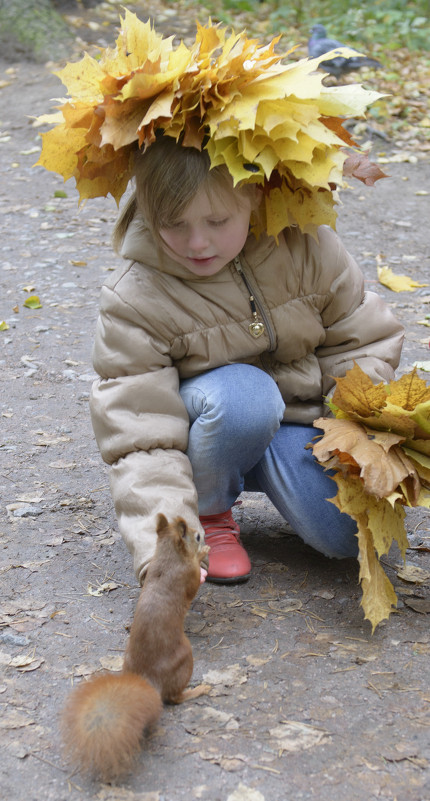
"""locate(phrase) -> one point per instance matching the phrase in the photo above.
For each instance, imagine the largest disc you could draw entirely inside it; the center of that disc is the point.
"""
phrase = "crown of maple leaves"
(271, 124)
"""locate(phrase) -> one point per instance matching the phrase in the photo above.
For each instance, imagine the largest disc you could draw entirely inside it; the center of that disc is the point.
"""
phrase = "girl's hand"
(203, 574)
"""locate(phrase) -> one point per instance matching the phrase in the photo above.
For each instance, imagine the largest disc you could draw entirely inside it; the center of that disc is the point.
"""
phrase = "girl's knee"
(242, 393)
(251, 390)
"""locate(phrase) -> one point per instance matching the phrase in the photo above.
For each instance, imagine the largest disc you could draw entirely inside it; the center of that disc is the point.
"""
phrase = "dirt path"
(305, 704)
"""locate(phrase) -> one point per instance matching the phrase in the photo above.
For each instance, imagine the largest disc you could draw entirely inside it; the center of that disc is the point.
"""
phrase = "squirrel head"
(188, 543)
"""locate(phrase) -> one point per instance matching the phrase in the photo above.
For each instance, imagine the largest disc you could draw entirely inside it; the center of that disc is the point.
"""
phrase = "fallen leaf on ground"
(229, 763)
(60, 464)
(33, 302)
(107, 586)
(257, 661)
(413, 574)
(294, 736)
(201, 721)
(15, 720)
(113, 663)
(244, 793)
(25, 664)
(397, 283)
(421, 605)
(229, 677)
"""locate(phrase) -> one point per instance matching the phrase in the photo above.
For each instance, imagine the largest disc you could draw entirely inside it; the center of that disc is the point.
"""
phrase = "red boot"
(228, 560)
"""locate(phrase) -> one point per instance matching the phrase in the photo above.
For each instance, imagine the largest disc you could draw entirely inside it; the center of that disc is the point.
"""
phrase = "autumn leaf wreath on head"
(272, 124)
(276, 125)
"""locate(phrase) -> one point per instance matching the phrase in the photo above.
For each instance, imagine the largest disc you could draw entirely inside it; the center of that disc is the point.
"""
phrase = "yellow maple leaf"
(379, 597)
(83, 79)
(424, 499)
(408, 391)
(59, 153)
(422, 464)
(377, 523)
(356, 393)
(398, 283)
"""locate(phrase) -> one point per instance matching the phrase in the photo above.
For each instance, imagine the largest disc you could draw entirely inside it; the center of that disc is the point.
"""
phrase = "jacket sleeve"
(141, 427)
(359, 327)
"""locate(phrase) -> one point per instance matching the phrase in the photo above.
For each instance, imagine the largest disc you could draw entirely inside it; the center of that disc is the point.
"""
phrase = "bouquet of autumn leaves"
(378, 444)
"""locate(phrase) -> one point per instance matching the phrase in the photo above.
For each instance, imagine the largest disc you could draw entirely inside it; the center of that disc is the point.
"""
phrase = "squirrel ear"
(181, 526)
(161, 523)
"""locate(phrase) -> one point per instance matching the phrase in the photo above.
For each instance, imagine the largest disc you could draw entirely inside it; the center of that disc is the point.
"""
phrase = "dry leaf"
(107, 586)
(257, 661)
(15, 720)
(230, 676)
(112, 663)
(201, 721)
(374, 456)
(294, 736)
(358, 165)
(245, 793)
(84, 670)
(413, 574)
(229, 763)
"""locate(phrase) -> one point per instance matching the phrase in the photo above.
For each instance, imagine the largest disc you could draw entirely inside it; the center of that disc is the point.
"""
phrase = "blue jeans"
(238, 442)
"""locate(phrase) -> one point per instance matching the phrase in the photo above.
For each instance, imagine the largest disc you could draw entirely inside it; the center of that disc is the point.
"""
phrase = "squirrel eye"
(198, 537)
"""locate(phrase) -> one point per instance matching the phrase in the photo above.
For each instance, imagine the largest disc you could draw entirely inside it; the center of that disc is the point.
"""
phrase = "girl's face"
(210, 232)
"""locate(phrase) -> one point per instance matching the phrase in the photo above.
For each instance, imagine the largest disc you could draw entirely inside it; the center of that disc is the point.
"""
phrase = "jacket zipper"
(261, 311)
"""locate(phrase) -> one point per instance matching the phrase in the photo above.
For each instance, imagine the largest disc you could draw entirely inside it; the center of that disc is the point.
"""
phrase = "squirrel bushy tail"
(104, 720)
(106, 716)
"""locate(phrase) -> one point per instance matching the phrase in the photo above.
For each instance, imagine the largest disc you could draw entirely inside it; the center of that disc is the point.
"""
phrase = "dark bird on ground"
(319, 44)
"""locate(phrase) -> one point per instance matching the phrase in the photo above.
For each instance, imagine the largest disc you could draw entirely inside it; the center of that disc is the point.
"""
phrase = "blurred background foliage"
(396, 32)
(386, 23)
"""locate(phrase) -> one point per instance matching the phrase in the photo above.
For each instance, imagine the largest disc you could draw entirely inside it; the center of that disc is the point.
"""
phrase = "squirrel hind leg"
(104, 720)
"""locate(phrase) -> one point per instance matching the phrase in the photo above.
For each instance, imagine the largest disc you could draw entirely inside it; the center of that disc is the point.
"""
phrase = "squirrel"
(105, 717)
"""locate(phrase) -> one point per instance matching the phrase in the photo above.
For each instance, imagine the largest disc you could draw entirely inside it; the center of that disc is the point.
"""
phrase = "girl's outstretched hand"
(203, 574)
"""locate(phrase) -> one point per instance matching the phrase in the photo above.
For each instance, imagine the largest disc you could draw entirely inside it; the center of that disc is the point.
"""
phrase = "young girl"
(215, 348)
(215, 352)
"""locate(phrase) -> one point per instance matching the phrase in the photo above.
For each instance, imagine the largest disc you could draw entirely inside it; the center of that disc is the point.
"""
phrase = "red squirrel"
(106, 716)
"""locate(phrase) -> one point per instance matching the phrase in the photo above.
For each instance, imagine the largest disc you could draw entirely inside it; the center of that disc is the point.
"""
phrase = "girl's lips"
(202, 261)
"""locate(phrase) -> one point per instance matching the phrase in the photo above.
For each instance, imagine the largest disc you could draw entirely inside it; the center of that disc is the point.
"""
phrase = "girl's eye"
(172, 226)
(217, 223)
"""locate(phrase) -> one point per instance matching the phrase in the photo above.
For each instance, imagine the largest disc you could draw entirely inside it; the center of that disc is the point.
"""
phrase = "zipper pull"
(256, 328)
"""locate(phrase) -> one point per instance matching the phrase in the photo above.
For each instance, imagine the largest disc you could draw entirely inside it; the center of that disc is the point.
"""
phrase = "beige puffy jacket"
(159, 324)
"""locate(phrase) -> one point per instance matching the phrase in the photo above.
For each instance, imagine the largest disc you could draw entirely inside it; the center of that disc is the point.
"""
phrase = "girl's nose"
(197, 240)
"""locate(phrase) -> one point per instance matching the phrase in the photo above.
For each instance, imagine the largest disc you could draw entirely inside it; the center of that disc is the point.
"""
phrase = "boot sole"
(234, 580)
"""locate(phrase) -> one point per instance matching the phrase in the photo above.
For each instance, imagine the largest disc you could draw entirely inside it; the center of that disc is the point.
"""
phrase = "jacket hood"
(139, 245)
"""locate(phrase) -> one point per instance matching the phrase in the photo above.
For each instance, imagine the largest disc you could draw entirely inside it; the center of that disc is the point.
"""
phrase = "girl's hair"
(167, 177)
